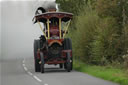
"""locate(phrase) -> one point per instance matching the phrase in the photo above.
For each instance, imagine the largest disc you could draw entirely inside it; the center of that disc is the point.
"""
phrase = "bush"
(106, 45)
(95, 40)
(99, 37)
(86, 25)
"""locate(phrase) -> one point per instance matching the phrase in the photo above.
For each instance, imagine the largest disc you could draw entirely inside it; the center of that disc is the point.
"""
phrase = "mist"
(0, 30)
(17, 29)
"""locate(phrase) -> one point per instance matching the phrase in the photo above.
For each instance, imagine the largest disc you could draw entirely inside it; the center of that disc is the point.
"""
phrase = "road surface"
(21, 72)
(16, 61)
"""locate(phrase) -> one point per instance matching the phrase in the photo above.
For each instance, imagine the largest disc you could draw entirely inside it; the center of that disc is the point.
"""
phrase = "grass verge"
(105, 72)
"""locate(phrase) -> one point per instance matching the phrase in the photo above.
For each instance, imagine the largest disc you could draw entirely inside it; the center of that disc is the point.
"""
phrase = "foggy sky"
(0, 30)
(17, 29)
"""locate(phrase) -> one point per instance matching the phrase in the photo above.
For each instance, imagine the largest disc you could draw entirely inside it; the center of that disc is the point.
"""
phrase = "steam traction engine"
(52, 47)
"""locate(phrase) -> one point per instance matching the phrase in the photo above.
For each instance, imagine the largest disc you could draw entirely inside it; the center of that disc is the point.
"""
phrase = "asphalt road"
(16, 67)
(21, 72)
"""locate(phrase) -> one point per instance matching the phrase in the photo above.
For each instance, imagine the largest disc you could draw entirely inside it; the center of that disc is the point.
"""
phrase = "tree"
(73, 6)
(106, 45)
(111, 8)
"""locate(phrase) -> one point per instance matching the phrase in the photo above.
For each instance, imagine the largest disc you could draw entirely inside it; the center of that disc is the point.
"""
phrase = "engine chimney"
(52, 10)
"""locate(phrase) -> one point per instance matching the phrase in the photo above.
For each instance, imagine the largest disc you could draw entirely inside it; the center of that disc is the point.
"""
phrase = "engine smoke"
(46, 4)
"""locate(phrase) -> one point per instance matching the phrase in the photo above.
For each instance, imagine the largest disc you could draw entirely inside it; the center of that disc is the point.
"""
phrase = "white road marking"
(30, 73)
(45, 84)
(37, 78)
(23, 61)
(25, 69)
(23, 65)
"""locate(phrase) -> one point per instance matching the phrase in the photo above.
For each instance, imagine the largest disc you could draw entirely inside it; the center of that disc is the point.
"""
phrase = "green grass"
(104, 72)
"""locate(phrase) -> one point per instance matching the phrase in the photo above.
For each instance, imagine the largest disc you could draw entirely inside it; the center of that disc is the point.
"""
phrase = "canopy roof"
(56, 15)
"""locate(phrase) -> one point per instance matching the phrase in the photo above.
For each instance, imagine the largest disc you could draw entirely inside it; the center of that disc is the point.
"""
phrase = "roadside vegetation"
(108, 72)
(99, 34)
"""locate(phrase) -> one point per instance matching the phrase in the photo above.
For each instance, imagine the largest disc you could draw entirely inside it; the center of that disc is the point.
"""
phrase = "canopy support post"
(66, 29)
(60, 27)
(42, 29)
(48, 28)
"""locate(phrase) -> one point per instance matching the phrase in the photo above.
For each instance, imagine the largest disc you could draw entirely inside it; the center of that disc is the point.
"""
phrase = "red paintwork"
(55, 62)
(54, 31)
(55, 40)
(49, 15)
(38, 54)
(50, 40)
(64, 53)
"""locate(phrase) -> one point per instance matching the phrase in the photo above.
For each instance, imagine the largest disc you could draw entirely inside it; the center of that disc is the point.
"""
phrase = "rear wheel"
(61, 65)
(37, 65)
(65, 66)
(68, 46)
(42, 62)
(36, 47)
(68, 63)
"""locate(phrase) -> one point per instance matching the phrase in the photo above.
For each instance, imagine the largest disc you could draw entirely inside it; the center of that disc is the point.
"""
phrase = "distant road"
(21, 72)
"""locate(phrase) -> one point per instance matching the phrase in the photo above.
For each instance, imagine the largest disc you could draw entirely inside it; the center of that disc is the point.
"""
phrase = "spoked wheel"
(68, 63)
(42, 62)
(61, 65)
(36, 60)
